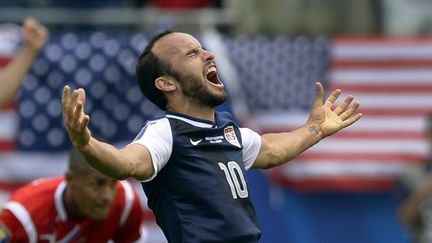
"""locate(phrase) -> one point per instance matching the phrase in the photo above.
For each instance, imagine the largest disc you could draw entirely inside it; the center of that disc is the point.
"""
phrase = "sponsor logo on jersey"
(215, 139)
(4, 234)
(195, 143)
(230, 136)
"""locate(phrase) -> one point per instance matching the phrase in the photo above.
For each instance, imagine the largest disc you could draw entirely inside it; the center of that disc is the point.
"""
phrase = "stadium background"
(343, 190)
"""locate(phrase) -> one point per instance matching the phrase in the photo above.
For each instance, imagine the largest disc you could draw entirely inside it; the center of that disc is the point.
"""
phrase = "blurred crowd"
(311, 17)
(113, 3)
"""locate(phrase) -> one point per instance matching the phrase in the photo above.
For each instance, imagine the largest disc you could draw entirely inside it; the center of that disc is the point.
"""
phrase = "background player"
(82, 206)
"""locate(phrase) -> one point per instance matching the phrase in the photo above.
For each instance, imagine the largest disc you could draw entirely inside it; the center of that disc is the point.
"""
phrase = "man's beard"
(194, 88)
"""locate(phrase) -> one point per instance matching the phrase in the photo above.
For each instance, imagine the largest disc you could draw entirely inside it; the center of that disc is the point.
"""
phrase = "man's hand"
(35, 34)
(74, 117)
(326, 119)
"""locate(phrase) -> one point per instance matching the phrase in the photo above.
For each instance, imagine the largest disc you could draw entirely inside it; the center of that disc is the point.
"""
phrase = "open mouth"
(212, 76)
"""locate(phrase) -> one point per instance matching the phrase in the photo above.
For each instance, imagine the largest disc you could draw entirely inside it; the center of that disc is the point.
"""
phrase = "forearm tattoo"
(314, 129)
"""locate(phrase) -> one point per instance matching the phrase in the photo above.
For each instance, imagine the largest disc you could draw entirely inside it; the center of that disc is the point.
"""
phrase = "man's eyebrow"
(192, 50)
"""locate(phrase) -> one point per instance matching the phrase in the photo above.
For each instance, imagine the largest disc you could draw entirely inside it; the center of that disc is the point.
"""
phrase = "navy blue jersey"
(199, 190)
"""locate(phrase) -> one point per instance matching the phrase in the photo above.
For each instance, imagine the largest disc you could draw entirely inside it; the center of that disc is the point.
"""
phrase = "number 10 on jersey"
(235, 179)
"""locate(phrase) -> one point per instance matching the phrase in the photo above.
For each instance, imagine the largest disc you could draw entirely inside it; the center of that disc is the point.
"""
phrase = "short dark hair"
(150, 67)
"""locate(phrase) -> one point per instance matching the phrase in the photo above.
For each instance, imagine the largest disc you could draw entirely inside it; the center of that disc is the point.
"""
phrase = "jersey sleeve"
(11, 229)
(156, 136)
(251, 146)
(130, 231)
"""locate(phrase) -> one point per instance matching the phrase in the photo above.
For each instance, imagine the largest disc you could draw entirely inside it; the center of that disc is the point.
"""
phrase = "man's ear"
(166, 84)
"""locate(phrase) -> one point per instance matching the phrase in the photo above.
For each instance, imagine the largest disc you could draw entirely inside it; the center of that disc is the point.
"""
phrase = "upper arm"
(153, 144)
(141, 159)
(260, 152)
(266, 157)
(276, 149)
(251, 142)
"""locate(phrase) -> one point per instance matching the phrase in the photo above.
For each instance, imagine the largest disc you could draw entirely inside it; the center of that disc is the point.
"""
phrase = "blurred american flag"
(392, 79)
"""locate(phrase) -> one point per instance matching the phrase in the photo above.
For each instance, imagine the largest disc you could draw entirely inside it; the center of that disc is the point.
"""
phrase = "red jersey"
(36, 213)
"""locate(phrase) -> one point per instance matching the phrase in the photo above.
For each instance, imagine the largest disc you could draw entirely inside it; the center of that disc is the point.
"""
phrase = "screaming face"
(206, 89)
(194, 69)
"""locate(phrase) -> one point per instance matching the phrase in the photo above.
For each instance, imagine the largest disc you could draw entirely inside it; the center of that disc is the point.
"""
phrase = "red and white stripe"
(392, 80)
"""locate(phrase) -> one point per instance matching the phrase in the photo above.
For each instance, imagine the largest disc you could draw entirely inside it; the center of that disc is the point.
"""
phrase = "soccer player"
(82, 206)
(193, 160)
(35, 37)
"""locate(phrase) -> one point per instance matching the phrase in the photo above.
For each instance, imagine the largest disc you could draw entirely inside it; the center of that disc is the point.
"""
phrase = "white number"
(237, 187)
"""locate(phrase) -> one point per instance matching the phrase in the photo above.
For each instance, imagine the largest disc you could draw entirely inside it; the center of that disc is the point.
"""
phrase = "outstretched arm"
(324, 120)
(35, 37)
(131, 161)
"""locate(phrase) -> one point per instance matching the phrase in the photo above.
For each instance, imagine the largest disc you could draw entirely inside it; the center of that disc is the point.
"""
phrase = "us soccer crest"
(230, 136)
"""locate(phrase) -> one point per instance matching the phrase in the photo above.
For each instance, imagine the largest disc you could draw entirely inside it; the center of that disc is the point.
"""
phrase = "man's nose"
(107, 193)
(207, 55)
